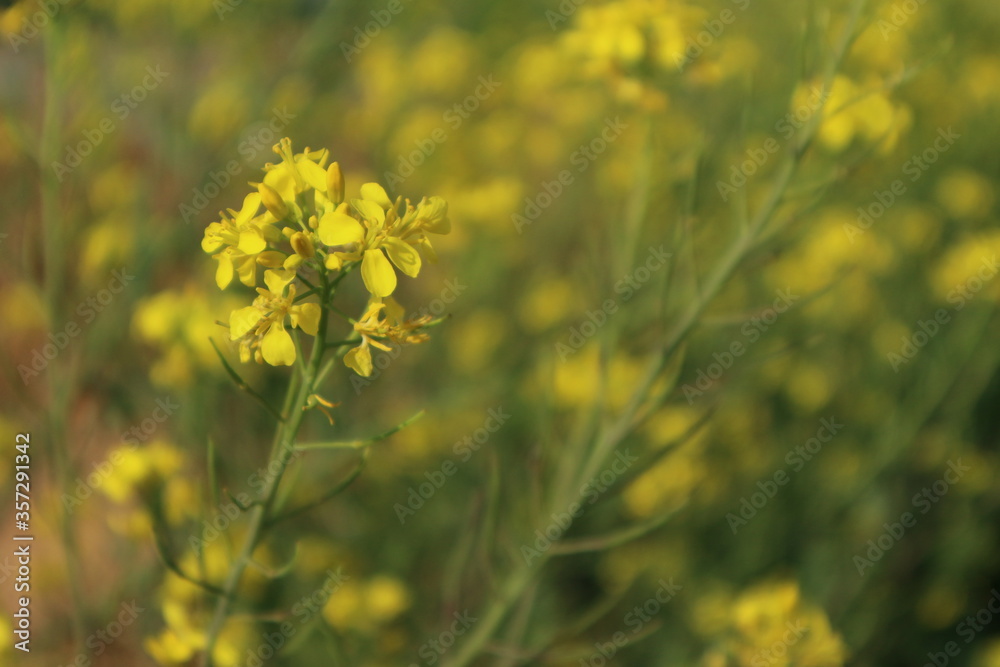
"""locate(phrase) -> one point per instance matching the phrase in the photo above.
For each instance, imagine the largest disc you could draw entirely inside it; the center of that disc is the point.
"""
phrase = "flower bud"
(303, 245)
(335, 183)
(272, 201)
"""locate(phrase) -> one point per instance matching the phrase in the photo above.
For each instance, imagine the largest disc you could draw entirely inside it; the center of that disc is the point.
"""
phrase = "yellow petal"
(377, 273)
(212, 239)
(369, 210)
(433, 212)
(394, 312)
(403, 255)
(336, 228)
(277, 346)
(251, 204)
(425, 244)
(247, 269)
(374, 192)
(276, 279)
(313, 174)
(224, 273)
(359, 360)
(252, 241)
(272, 259)
(306, 317)
(281, 179)
(243, 320)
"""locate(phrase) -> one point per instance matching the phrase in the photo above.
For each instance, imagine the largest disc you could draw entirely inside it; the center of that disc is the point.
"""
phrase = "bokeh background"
(869, 309)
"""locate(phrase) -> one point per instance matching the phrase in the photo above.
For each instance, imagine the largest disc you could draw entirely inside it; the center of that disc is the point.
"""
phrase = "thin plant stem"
(281, 455)
(521, 577)
(60, 375)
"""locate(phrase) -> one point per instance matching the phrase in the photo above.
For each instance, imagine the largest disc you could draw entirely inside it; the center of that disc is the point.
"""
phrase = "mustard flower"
(382, 321)
(383, 237)
(245, 236)
(260, 328)
(298, 225)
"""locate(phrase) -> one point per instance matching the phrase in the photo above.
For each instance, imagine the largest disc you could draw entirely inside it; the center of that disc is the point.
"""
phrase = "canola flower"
(298, 227)
(302, 236)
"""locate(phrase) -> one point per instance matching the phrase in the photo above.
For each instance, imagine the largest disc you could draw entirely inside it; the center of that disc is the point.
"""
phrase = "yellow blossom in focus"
(382, 321)
(260, 328)
(244, 238)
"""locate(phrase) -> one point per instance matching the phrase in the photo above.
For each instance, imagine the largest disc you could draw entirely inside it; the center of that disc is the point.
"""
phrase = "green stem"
(60, 380)
(281, 455)
(518, 581)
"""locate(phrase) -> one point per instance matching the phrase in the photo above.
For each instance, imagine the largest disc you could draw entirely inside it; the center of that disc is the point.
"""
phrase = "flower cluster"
(301, 231)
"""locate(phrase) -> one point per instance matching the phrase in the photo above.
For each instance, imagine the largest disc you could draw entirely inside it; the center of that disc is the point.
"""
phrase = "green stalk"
(60, 375)
(521, 577)
(281, 454)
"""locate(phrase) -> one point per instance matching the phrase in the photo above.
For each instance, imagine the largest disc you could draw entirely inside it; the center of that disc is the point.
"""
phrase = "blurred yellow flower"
(771, 624)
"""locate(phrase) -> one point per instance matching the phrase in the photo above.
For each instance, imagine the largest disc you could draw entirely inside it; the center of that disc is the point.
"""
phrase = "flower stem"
(61, 375)
(281, 455)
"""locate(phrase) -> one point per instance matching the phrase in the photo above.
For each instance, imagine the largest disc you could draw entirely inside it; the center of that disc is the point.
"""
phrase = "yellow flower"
(245, 236)
(373, 327)
(385, 238)
(296, 173)
(325, 234)
(260, 328)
